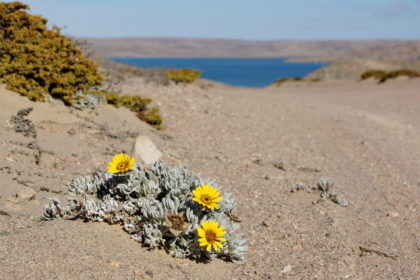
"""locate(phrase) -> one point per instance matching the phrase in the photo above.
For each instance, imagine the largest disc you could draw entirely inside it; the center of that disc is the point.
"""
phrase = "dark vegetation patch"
(22, 125)
(382, 76)
(295, 79)
(41, 63)
(183, 76)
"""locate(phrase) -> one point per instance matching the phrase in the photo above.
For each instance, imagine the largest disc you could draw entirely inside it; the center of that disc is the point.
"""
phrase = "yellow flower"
(207, 196)
(121, 163)
(211, 235)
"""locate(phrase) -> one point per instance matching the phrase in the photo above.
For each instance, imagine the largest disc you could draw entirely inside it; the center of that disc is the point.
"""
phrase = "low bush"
(383, 76)
(153, 117)
(315, 80)
(185, 76)
(374, 73)
(288, 79)
(138, 105)
(39, 62)
(295, 79)
(36, 61)
(399, 73)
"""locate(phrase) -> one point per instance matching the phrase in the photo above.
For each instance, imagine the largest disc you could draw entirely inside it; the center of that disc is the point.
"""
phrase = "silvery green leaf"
(137, 237)
(325, 184)
(125, 189)
(129, 207)
(130, 228)
(152, 236)
(52, 209)
(179, 253)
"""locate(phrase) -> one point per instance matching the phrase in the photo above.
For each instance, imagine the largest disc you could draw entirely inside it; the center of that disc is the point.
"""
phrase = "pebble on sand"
(286, 269)
(25, 193)
(146, 151)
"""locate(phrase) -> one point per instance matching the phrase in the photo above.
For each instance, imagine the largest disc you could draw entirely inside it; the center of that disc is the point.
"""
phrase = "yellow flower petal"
(217, 199)
(121, 163)
(204, 225)
(211, 235)
(207, 196)
(201, 232)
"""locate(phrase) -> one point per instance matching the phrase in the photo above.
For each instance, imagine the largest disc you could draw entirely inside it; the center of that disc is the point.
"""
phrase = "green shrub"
(153, 117)
(315, 80)
(185, 76)
(288, 79)
(399, 73)
(374, 73)
(138, 105)
(295, 79)
(383, 76)
(38, 62)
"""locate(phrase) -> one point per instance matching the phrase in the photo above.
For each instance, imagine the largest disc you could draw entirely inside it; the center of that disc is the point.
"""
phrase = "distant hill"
(179, 47)
(349, 64)
(349, 58)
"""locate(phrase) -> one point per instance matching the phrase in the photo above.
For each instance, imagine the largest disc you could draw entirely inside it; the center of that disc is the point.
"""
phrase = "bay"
(245, 72)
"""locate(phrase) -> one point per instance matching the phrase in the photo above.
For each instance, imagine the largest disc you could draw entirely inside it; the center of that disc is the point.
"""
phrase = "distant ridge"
(187, 47)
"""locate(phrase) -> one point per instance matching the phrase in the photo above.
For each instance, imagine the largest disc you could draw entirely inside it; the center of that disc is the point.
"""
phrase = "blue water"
(247, 72)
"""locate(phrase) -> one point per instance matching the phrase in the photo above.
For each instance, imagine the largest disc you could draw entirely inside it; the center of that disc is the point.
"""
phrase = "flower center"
(206, 198)
(122, 165)
(177, 222)
(211, 236)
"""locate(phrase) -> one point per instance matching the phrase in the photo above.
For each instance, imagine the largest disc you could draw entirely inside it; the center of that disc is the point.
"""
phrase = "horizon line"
(238, 39)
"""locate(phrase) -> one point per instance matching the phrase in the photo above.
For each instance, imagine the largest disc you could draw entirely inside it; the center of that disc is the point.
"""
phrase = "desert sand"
(364, 136)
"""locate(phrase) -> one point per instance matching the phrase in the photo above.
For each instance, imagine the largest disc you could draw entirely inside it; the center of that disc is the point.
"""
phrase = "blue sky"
(239, 19)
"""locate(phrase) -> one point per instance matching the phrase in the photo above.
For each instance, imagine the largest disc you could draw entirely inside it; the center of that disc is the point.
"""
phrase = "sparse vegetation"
(153, 117)
(295, 79)
(374, 73)
(288, 79)
(185, 76)
(383, 76)
(23, 125)
(400, 73)
(39, 63)
(138, 105)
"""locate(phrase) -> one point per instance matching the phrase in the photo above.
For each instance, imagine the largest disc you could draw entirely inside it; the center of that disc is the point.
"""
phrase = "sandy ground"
(364, 136)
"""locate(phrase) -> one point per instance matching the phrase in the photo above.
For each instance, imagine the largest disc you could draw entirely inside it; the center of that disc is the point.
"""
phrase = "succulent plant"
(325, 185)
(156, 207)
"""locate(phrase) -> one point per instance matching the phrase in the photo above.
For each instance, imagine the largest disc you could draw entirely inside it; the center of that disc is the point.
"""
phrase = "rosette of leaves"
(155, 206)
